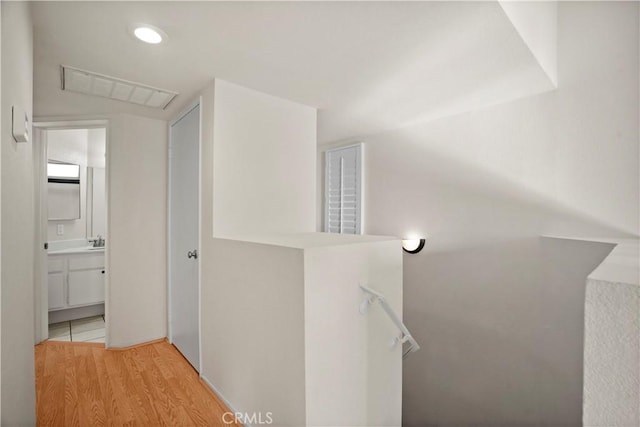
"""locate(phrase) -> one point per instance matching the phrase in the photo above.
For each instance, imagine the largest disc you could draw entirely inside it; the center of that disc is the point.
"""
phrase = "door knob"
(193, 254)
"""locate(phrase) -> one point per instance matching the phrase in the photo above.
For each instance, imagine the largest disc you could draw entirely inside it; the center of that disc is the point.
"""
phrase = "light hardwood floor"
(82, 384)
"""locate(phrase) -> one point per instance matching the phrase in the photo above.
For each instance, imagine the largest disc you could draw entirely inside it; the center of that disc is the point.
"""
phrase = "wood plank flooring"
(82, 384)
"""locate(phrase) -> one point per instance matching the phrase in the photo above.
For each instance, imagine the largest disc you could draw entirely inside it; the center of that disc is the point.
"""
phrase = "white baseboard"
(134, 343)
(220, 395)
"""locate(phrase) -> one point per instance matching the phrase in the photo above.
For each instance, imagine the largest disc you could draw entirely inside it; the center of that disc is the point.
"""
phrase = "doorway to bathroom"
(70, 178)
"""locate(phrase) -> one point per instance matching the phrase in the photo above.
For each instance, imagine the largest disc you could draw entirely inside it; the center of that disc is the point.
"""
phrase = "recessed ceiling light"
(148, 33)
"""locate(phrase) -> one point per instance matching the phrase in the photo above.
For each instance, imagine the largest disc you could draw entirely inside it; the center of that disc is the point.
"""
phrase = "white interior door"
(184, 295)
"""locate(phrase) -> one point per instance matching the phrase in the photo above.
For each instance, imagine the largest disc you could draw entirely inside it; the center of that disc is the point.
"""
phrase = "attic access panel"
(91, 83)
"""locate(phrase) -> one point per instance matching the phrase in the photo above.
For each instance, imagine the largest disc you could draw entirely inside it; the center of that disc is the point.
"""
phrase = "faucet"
(98, 242)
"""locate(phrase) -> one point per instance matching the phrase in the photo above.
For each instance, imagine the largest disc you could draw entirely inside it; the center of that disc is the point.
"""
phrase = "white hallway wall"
(537, 24)
(252, 193)
(264, 154)
(498, 311)
(17, 377)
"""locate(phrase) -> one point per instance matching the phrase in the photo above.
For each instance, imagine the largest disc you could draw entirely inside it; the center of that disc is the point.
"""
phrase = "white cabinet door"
(55, 264)
(86, 287)
(85, 262)
(56, 290)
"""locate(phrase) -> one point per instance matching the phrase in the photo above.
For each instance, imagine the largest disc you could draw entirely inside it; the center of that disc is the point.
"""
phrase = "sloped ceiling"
(367, 66)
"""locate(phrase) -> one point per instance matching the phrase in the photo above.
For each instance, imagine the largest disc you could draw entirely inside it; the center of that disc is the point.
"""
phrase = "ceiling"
(367, 66)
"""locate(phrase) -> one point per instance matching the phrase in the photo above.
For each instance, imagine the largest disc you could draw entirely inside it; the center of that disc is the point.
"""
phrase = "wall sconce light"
(413, 246)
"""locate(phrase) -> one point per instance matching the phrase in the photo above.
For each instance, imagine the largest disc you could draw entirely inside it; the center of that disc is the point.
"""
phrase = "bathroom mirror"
(63, 187)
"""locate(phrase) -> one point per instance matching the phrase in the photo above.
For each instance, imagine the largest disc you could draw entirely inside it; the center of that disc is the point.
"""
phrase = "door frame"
(41, 303)
(188, 108)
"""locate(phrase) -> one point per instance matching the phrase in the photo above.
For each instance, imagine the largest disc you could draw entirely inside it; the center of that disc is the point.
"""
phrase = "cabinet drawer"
(86, 287)
(56, 290)
(81, 262)
(55, 264)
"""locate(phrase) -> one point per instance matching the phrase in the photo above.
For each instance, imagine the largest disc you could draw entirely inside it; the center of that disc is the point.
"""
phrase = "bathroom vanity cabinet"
(75, 279)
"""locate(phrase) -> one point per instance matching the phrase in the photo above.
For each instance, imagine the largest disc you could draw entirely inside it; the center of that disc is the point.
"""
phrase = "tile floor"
(89, 329)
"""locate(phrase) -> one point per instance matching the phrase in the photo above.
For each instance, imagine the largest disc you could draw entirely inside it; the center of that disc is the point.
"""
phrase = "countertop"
(81, 250)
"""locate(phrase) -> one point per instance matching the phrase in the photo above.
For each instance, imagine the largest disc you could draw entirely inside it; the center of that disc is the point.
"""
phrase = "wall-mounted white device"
(20, 127)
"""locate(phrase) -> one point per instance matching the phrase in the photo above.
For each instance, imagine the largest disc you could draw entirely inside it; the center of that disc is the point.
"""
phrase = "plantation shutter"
(343, 187)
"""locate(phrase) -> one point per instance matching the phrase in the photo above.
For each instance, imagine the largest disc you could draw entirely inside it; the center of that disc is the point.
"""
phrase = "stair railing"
(405, 335)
